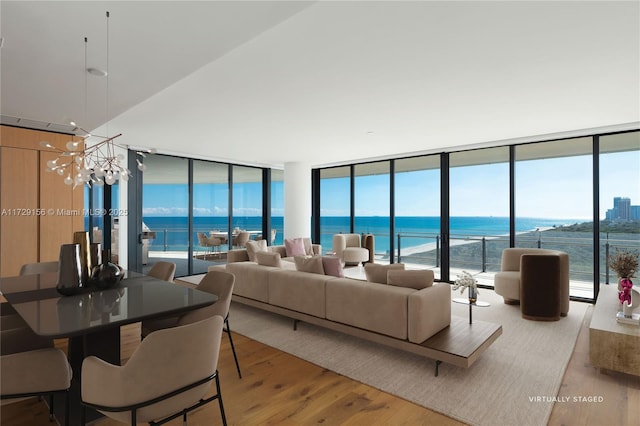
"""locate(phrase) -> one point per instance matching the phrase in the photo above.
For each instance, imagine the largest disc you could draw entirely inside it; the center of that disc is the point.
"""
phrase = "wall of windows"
(335, 204)
(619, 196)
(371, 203)
(277, 207)
(417, 211)
(193, 210)
(479, 209)
(553, 194)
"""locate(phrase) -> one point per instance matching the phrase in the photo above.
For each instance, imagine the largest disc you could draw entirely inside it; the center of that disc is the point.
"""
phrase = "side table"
(465, 301)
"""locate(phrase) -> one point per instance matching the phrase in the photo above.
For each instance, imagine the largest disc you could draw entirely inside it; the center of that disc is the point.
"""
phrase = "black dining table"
(91, 320)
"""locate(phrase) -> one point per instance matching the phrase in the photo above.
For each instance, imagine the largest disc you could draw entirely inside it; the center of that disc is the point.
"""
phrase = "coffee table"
(613, 345)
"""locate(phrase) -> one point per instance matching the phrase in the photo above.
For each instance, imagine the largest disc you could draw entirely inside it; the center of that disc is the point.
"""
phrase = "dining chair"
(221, 284)
(162, 270)
(168, 375)
(241, 238)
(39, 268)
(41, 372)
(215, 282)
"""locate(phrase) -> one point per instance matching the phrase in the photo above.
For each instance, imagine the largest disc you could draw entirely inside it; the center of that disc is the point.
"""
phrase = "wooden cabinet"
(38, 211)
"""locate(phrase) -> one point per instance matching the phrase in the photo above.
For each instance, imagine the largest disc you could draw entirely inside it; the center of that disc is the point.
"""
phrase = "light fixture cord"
(107, 97)
(85, 80)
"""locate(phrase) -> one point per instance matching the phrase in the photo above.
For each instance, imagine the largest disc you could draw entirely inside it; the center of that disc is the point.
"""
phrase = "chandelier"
(100, 162)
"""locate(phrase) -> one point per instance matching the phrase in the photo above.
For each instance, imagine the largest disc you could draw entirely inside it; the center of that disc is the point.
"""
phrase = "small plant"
(624, 263)
(465, 280)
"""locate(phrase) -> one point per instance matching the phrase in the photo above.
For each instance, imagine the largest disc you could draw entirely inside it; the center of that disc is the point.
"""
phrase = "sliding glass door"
(554, 204)
(479, 211)
(417, 212)
(619, 198)
(335, 204)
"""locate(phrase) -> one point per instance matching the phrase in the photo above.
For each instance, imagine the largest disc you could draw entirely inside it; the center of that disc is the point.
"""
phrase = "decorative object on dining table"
(70, 280)
(467, 281)
(107, 274)
(82, 239)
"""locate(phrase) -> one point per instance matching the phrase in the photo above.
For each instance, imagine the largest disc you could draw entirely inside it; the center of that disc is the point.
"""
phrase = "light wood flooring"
(278, 388)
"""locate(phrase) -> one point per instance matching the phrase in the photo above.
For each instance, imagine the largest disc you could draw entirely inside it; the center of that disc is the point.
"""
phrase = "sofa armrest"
(239, 255)
(429, 311)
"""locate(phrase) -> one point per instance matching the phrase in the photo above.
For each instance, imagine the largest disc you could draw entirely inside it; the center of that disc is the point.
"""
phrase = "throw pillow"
(267, 258)
(378, 273)
(332, 265)
(294, 247)
(254, 247)
(308, 248)
(413, 279)
(311, 264)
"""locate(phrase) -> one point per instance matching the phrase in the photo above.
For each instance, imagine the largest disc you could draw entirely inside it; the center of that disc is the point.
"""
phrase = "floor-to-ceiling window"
(277, 207)
(479, 211)
(417, 211)
(619, 190)
(247, 203)
(210, 213)
(165, 211)
(335, 204)
(372, 204)
(554, 204)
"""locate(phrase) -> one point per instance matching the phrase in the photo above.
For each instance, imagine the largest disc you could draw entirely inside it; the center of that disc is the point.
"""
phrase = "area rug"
(515, 382)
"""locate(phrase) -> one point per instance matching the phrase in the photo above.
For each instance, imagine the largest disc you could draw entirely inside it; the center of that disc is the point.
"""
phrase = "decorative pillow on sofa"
(294, 247)
(332, 265)
(308, 247)
(267, 258)
(378, 273)
(254, 247)
(311, 264)
(413, 279)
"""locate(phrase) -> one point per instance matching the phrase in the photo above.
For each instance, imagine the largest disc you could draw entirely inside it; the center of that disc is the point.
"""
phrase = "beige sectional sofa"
(384, 313)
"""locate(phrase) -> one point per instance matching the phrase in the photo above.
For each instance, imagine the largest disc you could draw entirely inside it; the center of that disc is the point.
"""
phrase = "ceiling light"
(97, 72)
(99, 163)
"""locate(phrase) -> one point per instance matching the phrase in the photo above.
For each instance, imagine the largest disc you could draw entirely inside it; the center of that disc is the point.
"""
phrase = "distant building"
(623, 210)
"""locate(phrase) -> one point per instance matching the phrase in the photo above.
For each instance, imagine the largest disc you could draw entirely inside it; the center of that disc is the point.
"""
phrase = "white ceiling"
(323, 82)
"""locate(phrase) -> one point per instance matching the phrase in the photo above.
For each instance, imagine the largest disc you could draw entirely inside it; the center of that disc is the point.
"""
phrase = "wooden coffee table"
(613, 345)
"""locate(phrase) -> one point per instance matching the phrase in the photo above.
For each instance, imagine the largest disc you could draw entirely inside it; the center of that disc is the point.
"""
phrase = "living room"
(332, 88)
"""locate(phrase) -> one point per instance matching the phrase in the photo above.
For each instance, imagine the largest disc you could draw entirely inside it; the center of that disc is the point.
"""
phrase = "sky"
(551, 188)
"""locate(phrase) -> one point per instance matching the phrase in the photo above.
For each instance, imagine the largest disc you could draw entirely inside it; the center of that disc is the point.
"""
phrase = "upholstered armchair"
(348, 247)
(528, 272)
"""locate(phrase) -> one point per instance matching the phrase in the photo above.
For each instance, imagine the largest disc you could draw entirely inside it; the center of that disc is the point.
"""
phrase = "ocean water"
(415, 230)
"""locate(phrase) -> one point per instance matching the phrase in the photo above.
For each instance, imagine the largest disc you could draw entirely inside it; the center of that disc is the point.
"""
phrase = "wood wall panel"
(56, 226)
(18, 204)
(24, 181)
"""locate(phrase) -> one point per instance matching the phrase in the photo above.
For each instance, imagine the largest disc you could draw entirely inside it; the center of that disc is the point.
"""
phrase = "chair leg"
(224, 418)
(67, 404)
(233, 349)
(51, 416)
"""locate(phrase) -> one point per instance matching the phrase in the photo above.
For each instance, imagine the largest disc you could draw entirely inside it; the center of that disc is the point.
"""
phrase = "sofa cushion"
(251, 280)
(417, 279)
(299, 291)
(311, 264)
(375, 307)
(266, 258)
(254, 247)
(332, 265)
(294, 247)
(376, 273)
